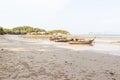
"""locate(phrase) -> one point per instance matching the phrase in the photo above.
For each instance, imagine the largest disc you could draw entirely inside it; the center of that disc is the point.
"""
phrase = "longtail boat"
(82, 41)
(62, 40)
(53, 38)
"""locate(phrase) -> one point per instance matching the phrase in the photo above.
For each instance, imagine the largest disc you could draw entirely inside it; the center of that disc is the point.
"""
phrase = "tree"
(58, 31)
(8, 31)
(22, 29)
(1, 31)
(39, 30)
(27, 29)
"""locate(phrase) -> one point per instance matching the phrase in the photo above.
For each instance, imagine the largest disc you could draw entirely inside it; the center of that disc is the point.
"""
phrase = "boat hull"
(62, 40)
(81, 42)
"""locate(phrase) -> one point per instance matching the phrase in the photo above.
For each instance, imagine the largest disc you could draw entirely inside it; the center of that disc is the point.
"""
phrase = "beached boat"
(82, 41)
(56, 37)
(62, 40)
(59, 39)
(52, 38)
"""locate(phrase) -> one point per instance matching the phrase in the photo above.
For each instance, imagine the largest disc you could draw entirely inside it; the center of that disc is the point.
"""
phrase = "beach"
(30, 59)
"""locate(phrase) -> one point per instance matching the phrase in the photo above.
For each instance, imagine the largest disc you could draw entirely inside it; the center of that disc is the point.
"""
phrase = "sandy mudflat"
(25, 60)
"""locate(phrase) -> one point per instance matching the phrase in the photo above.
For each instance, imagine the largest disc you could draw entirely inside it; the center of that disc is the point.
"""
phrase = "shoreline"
(103, 45)
(28, 60)
(69, 36)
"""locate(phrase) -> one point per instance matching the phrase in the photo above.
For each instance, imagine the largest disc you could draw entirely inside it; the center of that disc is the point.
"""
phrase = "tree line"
(30, 30)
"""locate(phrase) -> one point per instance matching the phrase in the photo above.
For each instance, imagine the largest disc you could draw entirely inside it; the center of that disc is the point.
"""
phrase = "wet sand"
(22, 59)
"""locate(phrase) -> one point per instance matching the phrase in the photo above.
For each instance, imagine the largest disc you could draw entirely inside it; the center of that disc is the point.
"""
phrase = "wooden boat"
(82, 41)
(62, 40)
(52, 39)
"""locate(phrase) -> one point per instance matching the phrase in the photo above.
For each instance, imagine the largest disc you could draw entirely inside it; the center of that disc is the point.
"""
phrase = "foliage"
(22, 30)
(39, 30)
(58, 31)
(30, 30)
(1, 31)
(7, 31)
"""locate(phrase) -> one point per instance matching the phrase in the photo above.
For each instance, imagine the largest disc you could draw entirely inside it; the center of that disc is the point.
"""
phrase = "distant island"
(23, 30)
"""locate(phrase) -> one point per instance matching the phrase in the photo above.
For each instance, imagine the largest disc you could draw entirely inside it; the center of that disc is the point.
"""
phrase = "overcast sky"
(76, 16)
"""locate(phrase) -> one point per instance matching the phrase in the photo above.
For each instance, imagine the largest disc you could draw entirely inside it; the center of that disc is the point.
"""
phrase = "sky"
(76, 16)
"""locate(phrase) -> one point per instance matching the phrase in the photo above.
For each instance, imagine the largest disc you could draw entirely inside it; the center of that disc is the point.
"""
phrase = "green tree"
(22, 29)
(26, 29)
(58, 31)
(8, 31)
(1, 31)
(39, 30)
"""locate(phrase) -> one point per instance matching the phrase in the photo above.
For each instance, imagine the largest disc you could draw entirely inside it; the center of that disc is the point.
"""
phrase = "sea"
(98, 34)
